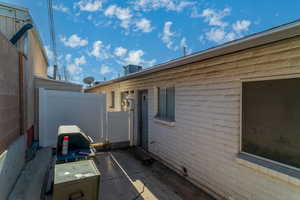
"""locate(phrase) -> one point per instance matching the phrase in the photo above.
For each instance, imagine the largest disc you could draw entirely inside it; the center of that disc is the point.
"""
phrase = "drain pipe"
(20, 33)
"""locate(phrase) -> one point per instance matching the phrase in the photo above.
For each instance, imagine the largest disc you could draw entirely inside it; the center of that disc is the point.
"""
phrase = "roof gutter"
(271, 35)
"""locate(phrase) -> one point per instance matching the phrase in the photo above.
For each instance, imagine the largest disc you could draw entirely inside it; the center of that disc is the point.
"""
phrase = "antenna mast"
(184, 50)
(52, 38)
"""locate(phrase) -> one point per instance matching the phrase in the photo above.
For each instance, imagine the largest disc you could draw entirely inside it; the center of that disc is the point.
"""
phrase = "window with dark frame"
(112, 104)
(271, 120)
(166, 104)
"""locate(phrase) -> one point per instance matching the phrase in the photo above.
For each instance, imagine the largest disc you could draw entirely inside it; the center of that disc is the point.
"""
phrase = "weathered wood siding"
(9, 93)
(11, 21)
(206, 136)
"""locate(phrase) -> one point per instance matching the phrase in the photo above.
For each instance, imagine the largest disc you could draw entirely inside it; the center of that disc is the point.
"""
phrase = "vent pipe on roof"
(184, 50)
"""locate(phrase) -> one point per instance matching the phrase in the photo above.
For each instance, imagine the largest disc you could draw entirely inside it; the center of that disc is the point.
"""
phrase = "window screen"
(271, 120)
(166, 104)
(112, 99)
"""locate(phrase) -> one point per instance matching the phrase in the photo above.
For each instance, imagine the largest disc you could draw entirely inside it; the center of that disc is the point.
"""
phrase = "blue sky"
(98, 37)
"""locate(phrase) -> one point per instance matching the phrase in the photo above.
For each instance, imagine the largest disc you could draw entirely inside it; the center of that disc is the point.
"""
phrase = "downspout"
(21, 93)
(20, 33)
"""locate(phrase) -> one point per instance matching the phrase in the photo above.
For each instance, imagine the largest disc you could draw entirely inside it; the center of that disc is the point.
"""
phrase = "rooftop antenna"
(89, 80)
(52, 38)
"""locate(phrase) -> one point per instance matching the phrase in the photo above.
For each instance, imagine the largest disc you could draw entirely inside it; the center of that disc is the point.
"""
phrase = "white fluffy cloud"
(122, 14)
(104, 69)
(80, 61)
(120, 51)
(213, 17)
(68, 57)
(167, 35)
(135, 57)
(220, 32)
(127, 19)
(61, 8)
(89, 5)
(74, 69)
(110, 11)
(241, 25)
(49, 53)
(219, 35)
(100, 50)
(144, 25)
(121, 55)
(74, 41)
(172, 5)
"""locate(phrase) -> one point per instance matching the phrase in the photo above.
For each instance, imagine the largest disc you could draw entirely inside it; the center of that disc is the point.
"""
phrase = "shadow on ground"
(125, 178)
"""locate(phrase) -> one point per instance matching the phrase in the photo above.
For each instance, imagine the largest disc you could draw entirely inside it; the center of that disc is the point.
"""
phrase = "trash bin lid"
(74, 171)
(77, 139)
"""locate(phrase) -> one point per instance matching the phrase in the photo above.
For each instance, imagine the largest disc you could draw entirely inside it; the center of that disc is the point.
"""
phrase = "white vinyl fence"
(86, 110)
(118, 127)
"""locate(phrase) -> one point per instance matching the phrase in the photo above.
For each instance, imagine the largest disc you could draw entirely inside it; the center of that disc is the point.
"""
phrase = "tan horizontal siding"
(206, 135)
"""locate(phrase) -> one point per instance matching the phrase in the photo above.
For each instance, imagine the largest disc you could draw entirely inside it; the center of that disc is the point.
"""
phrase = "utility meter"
(130, 102)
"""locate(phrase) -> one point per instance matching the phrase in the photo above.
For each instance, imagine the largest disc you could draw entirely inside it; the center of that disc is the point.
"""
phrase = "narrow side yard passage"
(125, 178)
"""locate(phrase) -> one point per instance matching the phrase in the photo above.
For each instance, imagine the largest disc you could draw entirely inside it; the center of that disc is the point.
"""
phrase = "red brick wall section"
(9, 93)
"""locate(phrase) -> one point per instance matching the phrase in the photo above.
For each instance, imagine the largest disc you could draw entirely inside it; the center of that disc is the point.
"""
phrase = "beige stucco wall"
(36, 58)
(206, 136)
(35, 64)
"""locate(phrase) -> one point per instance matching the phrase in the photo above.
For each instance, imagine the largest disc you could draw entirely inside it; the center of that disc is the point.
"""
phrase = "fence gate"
(86, 110)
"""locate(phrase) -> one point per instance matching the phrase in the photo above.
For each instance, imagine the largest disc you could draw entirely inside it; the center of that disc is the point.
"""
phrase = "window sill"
(163, 122)
(283, 173)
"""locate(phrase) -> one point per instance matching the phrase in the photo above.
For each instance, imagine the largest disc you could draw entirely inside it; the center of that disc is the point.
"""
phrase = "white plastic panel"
(86, 110)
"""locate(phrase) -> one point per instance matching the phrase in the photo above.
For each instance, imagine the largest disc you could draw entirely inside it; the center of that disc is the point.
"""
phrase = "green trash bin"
(76, 181)
(79, 145)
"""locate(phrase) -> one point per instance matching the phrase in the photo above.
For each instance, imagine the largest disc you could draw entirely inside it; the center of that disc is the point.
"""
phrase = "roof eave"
(271, 35)
(57, 81)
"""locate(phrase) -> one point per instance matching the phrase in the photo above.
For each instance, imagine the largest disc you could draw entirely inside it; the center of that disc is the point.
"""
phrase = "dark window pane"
(166, 104)
(112, 99)
(163, 112)
(171, 104)
(271, 120)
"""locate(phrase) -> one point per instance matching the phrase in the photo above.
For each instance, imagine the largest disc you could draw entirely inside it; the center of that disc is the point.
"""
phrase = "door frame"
(139, 127)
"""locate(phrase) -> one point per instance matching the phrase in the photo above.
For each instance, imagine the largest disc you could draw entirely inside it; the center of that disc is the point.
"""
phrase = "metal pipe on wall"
(21, 92)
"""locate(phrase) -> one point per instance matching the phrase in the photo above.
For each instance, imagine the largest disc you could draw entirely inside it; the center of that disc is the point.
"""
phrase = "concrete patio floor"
(125, 178)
